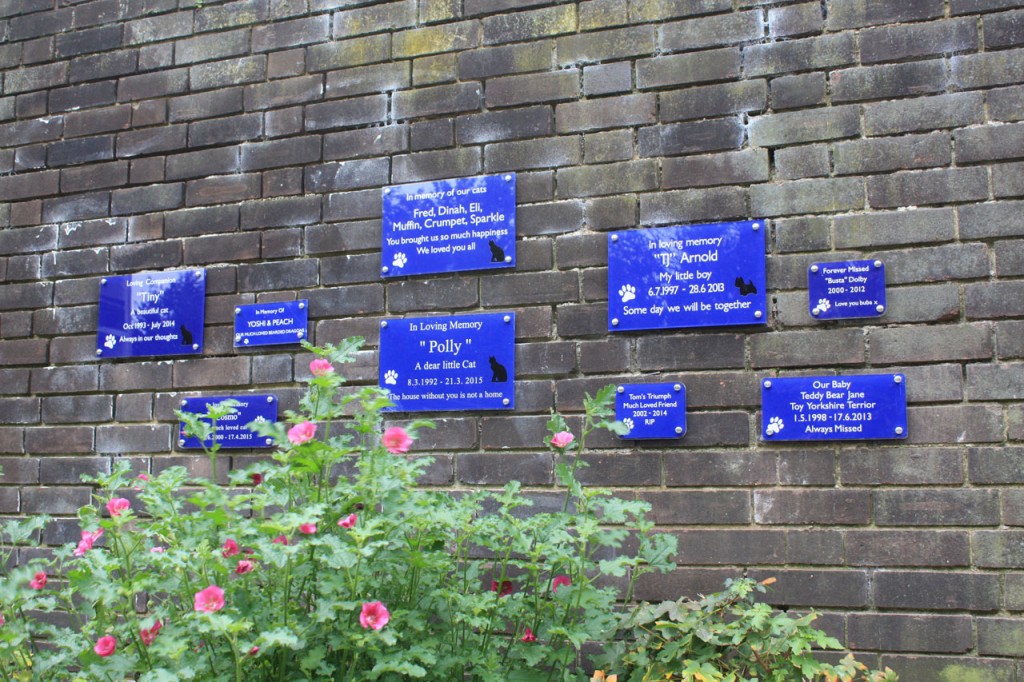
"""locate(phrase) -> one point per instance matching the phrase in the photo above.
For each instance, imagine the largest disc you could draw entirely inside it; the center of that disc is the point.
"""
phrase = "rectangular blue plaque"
(465, 362)
(687, 276)
(844, 289)
(652, 410)
(231, 429)
(449, 225)
(865, 407)
(268, 324)
(151, 313)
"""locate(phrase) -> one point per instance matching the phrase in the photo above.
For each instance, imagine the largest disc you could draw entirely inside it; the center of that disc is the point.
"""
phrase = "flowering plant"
(328, 562)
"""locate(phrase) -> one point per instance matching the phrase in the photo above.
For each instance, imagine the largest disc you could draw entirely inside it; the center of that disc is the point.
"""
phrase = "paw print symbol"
(260, 419)
(110, 341)
(400, 260)
(391, 377)
(627, 292)
(775, 425)
(824, 305)
(629, 423)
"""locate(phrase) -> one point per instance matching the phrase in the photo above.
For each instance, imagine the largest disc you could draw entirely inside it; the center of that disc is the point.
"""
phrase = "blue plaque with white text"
(651, 410)
(232, 431)
(463, 362)
(268, 324)
(845, 289)
(687, 276)
(863, 407)
(151, 313)
(449, 225)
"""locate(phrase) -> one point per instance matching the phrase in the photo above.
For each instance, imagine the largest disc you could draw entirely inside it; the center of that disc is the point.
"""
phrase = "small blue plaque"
(652, 410)
(231, 429)
(465, 362)
(151, 313)
(865, 407)
(853, 288)
(449, 225)
(268, 324)
(687, 276)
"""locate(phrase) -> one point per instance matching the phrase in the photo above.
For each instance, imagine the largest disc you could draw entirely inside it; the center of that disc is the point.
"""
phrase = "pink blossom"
(147, 635)
(562, 439)
(244, 566)
(229, 549)
(528, 636)
(374, 615)
(38, 581)
(348, 521)
(280, 540)
(503, 589)
(105, 645)
(253, 651)
(210, 599)
(560, 580)
(256, 478)
(86, 543)
(307, 528)
(157, 550)
(142, 480)
(300, 433)
(2, 621)
(118, 505)
(396, 440)
(321, 367)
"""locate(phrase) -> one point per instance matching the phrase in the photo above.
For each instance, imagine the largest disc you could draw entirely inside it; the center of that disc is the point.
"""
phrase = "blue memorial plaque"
(231, 429)
(151, 313)
(687, 276)
(449, 225)
(652, 410)
(466, 362)
(871, 406)
(853, 288)
(268, 324)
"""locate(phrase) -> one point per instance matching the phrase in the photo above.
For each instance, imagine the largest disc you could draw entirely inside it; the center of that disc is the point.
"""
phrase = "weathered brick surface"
(253, 138)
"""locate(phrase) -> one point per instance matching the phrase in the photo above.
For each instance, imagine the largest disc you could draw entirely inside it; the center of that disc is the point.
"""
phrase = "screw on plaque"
(237, 310)
(238, 337)
(270, 398)
(270, 441)
(677, 387)
(757, 226)
(103, 281)
(615, 322)
(508, 259)
(99, 351)
(302, 306)
(300, 334)
(898, 379)
(507, 318)
(384, 268)
(816, 312)
(387, 190)
(880, 308)
(679, 429)
(621, 389)
(899, 430)
(184, 403)
(878, 263)
(504, 401)
(767, 383)
(195, 346)
(508, 178)
(615, 237)
(814, 268)
(758, 314)
(181, 443)
(383, 323)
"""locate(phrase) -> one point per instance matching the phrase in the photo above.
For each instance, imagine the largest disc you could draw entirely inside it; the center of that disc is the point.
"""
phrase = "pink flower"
(374, 615)
(528, 636)
(209, 600)
(321, 367)
(2, 621)
(142, 480)
(300, 433)
(562, 439)
(307, 528)
(559, 581)
(157, 550)
(105, 645)
(396, 440)
(256, 478)
(253, 651)
(148, 635)
(118, 505)
(244, 566)
(229, 549)
(88, 538)
(348, 521)
(280, 540)
(503, 589)
(38, 581)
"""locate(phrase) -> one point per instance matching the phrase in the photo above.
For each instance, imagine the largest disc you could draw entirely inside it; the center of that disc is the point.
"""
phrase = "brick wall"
(252, 138)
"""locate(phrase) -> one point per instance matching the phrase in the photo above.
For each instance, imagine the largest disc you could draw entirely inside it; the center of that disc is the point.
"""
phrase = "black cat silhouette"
(746, 288)
(498, 371)
(186, 335)
(497, 254)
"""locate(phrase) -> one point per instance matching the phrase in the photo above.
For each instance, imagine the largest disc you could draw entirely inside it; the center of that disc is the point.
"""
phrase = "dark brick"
(154, 255)
(994, 381)
(986, 69)
(858, 13)
(804, 90)
(807, 161)
(1010, 339)
(720, 468)
(629, 176)
(790, 56)
(432, 294)
(227, 72)
(529, 154)
(607, 79)
(105, 65)
(934, 344)
(988, 143)
(805, 126)
(280, 212)
(913, 507)
(260, 155)
(529, 289)
(608, 45)
(692, 67)
(807, 196)
(918, 466)
(729, 168)
(343, 54)
(147, 199)
(907, 548)
(956, 423)
(691, 206)
(211, 372)
(719, 547)
(16, 187)
(365, 80)
(706, 351)
(83, 96)
(511, 124)
(690, 138)
(895, 43)
(432, 165)
(277, 275)
(77, 409)
(936, 591)
(151, 85)
(999, 636)
(818, 588)
(62, 500)
(529, 25)
(221, 248)
(283, 92)
(796, 20)
(223, 188)
(503, 60)
(346, 113)
(226, 130)
(347, 175)
(205, 105)
(913, 188)
(283, 34)
(896, 632)
(485, 469)
(889, 154)
(936, 264)
(131, 438)
(825, 507)
(383, 17)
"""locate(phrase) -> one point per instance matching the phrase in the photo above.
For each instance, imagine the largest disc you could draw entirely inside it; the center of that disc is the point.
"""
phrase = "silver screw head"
(508, 259)
(387, 190)
(615, 237)
(756, 226)
(878, 263)
(816, 312)
(758, 314)
(507, 318)
(814, 268)
(184, 403)
(677, 388)
(238, 337)
(383, 323)
(300, 334)
(621, 389)
(384, 268)
(615, 322)
(99, 351)
(899, 430)
(103, 281)
(898, 379)
(302, 306)
(504, 401)
(508, 178)
(880, 308)
(195, 346)
(270, 398)
(767, 383)
(270, 441)
(679, 429)
(181, 442)
(237, 310)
